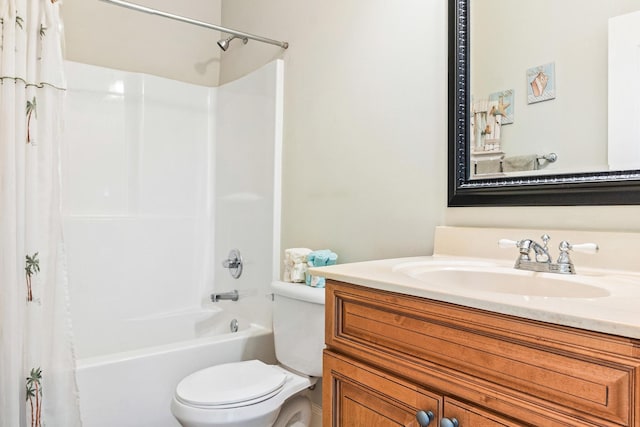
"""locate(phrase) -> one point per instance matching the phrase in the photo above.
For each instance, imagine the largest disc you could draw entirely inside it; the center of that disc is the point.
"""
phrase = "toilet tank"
(298, 326)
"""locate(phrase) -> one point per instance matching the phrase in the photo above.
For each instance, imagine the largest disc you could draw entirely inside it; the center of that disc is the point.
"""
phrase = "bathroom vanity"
(402, 349)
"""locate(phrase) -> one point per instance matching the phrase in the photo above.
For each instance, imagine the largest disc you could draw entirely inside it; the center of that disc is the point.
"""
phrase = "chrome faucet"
(542, 260)
(233, 296)
(541, 251)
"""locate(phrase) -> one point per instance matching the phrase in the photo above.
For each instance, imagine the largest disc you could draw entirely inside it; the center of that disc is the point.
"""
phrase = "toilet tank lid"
(299, 291)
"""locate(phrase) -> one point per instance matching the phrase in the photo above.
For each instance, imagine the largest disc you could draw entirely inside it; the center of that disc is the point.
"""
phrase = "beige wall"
(365, 113)
(365, 119)
(102, 34)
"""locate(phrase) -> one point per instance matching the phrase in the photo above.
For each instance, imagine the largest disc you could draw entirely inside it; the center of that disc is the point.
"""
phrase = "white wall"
(365, 124)
(624, 91)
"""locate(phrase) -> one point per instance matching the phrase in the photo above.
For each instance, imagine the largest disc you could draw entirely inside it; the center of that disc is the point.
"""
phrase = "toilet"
(252, 393)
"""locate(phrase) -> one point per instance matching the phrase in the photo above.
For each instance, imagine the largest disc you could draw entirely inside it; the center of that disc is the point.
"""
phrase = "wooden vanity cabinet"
(390, 355)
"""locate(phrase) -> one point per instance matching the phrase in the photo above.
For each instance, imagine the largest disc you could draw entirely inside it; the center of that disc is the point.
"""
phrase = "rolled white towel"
(298, 272)
(286, 275)
(295, 255)
(295, 264)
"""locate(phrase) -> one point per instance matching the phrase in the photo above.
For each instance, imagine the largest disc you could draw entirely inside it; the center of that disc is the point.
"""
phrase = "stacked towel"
(319, 259)
(295, 264)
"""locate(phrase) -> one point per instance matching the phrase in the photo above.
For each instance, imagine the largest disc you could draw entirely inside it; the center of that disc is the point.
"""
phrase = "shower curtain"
(37, 378)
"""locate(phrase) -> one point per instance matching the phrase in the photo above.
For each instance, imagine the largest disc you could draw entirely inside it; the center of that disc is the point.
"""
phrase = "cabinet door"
(358, 406)
(469, 416)
(359, 396)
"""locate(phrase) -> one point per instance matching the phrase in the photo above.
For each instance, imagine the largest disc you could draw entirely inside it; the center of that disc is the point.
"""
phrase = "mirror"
(542, 106)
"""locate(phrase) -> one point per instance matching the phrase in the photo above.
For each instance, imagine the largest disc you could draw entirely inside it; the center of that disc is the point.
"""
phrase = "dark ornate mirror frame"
(597, 188)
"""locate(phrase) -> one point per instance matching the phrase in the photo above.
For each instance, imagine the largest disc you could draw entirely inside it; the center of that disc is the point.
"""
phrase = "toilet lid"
(231, 385)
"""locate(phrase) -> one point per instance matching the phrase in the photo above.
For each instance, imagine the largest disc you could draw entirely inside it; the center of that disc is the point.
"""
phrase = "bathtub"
(127, 378)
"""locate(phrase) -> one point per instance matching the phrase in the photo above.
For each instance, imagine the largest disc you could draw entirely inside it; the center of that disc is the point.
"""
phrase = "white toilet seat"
(260, 414)
(231, 385)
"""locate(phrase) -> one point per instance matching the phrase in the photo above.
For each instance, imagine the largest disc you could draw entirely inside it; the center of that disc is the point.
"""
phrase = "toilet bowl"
(296, 412)
(252, 393)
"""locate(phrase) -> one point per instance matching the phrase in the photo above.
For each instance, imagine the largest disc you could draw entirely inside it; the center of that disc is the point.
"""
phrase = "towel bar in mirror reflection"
(492, 165)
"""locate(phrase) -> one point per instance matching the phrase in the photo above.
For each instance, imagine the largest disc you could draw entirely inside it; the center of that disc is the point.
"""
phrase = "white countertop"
(618, 312)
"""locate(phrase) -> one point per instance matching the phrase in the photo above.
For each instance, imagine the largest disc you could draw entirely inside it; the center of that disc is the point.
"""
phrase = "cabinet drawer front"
(573, 381)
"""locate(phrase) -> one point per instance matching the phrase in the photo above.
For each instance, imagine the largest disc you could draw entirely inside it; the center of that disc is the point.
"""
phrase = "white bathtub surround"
(162, 179)
(247, 191)
(35, 334)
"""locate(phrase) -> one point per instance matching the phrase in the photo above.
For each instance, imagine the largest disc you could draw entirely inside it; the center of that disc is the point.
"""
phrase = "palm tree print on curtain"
(34, 396)
(31, 111)
(36, 348)
(32, 267)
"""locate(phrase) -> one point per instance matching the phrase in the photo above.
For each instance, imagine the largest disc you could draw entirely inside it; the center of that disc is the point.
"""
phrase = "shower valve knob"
(234, 263)
(230, 263)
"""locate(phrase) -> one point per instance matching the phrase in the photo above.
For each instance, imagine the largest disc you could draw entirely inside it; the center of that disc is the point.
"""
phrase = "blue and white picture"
(503, 104)
(541, 83)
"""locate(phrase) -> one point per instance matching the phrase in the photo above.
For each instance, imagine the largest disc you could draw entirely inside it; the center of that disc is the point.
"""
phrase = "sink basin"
(487, 277)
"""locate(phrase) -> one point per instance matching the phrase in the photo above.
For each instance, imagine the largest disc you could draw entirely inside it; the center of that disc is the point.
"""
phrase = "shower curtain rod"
(239, 34)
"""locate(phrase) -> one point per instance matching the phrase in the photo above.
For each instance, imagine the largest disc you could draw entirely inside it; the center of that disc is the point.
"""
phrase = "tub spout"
(233, 296)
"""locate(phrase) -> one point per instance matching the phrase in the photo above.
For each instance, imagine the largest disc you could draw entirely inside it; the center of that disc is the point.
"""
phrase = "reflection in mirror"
(555, 87)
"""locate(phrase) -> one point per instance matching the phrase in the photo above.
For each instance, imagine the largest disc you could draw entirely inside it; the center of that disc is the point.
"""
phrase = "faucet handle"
(507, 243)
(587, 248)
(565, 247)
